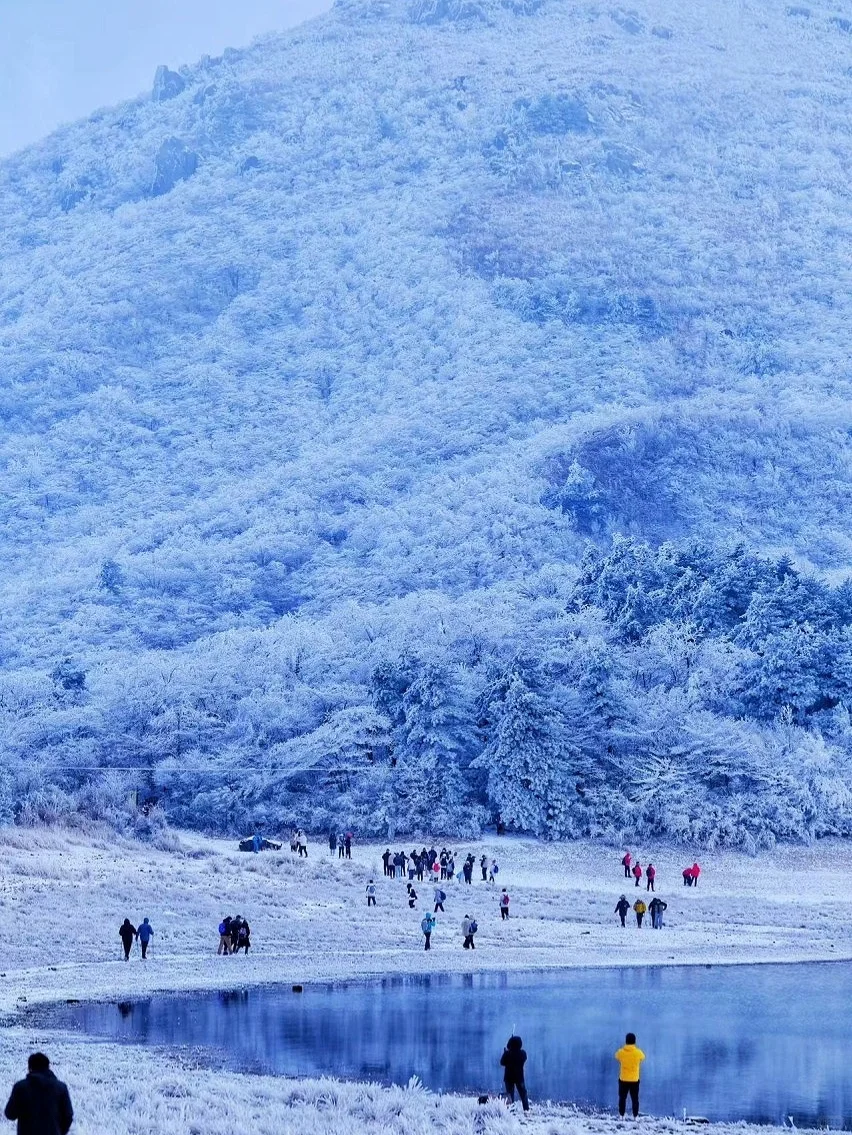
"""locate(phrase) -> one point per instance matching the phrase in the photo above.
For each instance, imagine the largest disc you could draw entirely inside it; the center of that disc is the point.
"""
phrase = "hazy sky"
(62, 59)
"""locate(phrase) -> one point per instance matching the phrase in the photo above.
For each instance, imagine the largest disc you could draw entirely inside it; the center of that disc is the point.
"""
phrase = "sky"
(62, 59)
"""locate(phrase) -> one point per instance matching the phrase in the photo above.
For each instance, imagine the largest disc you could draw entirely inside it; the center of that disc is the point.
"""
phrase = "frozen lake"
(727, 1042)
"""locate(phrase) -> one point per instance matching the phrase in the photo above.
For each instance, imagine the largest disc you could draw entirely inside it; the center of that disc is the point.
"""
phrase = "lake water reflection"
(727, 1042)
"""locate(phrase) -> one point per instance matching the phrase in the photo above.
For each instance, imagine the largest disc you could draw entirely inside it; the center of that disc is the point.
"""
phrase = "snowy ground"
(62, 899)
(63, 896)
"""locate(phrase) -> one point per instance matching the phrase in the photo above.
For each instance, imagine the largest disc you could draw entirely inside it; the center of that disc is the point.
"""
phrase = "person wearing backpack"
(439, 900)
(639, 909)
(637, 872)
(625, 863)
(224, 936)
(427, 925)
(492, 871)
(655, 909)
(621, 909)
(504, 904)
(469, 928)
(371, 893)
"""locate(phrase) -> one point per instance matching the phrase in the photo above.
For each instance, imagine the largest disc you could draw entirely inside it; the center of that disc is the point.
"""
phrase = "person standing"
(504, 904)
(332, 843)
(629, 1059)
(656, 908)
(639, 909)
(436, 871)
(687, 877)
(469, 928)
(696, 871)
(303, 844)
(145, 933)
(650, 875)
(224, 936)
(40, 1103)
(127, 932)
(347, 843)
(371, 893)
(440, 895)
(341, 850)
(625, 863)
(412, 896)
(386, 858)
(637, 872)
(244, 937)
(621, 909)
(483, 866)
(513, 1060)
(427, 925)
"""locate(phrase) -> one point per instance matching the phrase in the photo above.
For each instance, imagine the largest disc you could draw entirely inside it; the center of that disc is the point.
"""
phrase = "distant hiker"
(256, 842)
(513, 1060)
(294, 840)
(341, 848)
(625, 863)
(303, 844)
(371, 893)
(656, 908)
(639, 909)
(386, 859)
(412, 896)
(469, 928)
(436, 871)
(504, 904)
(421, 864)
(347, 843)
(442, 860)
(696, 871)
(243, 937)
(637, 872)
(127, 932)
(224, 936)
(332, 843)
(483, 866)
(467, 869)
(412, 866)
(432, 856)
(145, 933)
(687, 877)
(621, 909)
(650, 875)
(40, 1103)
(629, 1059)
(440, 895)
(451, 868)
(492, 871)
(427, 925)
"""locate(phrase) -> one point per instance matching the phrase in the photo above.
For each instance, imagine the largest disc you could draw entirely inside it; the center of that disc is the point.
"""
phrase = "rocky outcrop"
(167, 84)
(174, 162)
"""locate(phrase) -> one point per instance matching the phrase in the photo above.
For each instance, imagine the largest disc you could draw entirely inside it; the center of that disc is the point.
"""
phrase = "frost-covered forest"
(440, 412)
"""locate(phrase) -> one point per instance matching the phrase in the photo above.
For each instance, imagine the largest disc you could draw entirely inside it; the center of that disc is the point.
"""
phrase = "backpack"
(223, 929)
(426, 925)
(473, 926)
(640, 908)
(441, 896)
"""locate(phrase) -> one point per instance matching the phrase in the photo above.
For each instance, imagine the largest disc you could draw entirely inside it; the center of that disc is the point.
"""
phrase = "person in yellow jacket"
(640, 908)
(629, 1059)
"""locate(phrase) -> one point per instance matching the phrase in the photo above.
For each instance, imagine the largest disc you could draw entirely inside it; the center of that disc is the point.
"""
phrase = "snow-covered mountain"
(324, 361)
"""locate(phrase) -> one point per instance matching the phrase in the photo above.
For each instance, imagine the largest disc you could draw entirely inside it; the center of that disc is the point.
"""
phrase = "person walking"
(40, 1103)
(639, 909)
(629, 1059)
(145, 933)
(492, 871)
(504, 904)
(224, 936)
(127, 932)
(512, 1061)
(625, 863)
(696, 871)
(621, 909)
(427, 925)
(303, 844)
(655, 909)
(440, 895)
(637, 872)
(332, 843)
(483, 866)
(469, 928)
(412, 897)
(371, 893)
(386, 859)
(650, 875)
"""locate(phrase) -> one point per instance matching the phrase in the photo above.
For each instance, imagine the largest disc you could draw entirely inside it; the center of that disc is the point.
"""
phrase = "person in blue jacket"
(145, 933)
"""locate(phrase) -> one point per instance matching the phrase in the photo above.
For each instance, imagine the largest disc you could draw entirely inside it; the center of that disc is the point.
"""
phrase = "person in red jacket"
(696, 871)
(625, 863)
(687, 877)
(637, 872)
(650, 875)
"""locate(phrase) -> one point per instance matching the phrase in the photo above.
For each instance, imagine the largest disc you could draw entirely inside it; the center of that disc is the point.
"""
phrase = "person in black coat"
(127, 933)
(40, 1103)
(513, 1060)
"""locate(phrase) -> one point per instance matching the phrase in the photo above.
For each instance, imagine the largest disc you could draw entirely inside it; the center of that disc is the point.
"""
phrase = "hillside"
(324, 363)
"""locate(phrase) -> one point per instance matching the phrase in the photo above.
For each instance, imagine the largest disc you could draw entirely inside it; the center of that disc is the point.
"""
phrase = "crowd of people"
(633, 870)
(439, 866)
(234, 935)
